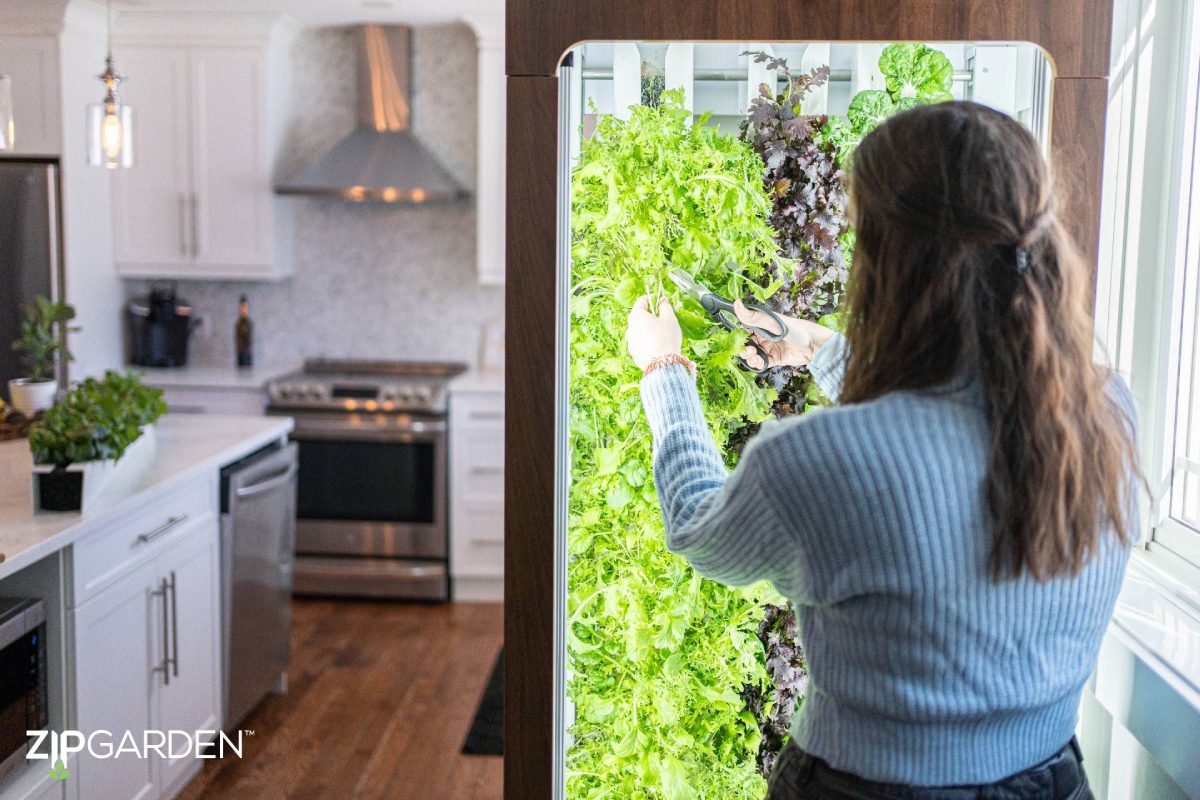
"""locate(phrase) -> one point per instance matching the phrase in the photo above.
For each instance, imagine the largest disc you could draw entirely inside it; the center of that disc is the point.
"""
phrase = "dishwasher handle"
(273, 482)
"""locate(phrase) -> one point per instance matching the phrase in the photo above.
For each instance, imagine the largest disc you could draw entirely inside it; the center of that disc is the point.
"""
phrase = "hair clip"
(1023, 260)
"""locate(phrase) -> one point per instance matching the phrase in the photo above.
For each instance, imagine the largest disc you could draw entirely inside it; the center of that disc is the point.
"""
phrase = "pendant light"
(110, 123)
(7, 129)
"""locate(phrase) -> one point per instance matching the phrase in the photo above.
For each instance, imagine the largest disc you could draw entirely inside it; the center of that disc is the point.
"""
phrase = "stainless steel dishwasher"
(258, 529)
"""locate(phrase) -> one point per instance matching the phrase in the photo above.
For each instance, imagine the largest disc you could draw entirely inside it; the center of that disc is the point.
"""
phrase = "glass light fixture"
(7, 130)
(110, 122)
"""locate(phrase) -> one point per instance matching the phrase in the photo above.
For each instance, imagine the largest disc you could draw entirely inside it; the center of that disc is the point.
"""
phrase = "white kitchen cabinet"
(198, 202)
(32, 63)
(191, 700)
(152, 200)
(118, 641)
(147, 656)
(477, 493)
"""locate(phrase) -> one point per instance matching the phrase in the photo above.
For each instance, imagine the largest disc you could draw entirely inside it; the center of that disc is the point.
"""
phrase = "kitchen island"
(131, 591)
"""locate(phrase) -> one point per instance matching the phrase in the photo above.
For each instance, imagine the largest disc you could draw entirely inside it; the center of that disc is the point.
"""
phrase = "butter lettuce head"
(868, 109)
(916, 71)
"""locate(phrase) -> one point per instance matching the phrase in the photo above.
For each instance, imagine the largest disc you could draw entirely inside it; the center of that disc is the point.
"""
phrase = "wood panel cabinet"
(198, 201)
(1074, 33)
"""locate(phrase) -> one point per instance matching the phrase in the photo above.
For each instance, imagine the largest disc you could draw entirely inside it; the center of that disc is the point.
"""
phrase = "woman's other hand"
(796, 349)
(650, 334)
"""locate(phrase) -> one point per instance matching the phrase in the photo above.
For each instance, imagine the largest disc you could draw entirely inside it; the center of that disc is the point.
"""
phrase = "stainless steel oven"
(371, 496)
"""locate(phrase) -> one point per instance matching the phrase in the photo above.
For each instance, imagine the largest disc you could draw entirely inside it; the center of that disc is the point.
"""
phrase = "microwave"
(22, 679)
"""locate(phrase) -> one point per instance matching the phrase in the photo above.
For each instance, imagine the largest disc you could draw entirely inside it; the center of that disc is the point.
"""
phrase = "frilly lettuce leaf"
(916, 71)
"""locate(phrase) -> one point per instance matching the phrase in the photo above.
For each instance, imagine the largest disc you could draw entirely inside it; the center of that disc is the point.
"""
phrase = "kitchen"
(272, 492)
(332, 362)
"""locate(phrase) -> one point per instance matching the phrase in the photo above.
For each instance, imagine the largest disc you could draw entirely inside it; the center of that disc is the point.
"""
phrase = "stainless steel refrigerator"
(30, 249)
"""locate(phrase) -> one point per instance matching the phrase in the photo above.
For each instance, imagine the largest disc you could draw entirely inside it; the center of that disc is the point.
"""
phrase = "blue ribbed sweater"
(871, 518)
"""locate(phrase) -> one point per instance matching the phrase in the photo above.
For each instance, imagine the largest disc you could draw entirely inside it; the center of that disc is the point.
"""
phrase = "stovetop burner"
(358, 385)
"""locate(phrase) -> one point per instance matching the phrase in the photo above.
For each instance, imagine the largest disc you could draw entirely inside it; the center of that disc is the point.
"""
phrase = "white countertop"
(208, 377)
(186, 445)
(474, 380)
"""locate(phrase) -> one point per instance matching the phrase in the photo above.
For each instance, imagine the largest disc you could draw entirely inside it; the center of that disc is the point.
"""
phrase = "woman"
(954, 533)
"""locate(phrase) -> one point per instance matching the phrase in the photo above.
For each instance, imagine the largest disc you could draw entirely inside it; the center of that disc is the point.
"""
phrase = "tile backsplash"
(371, 280)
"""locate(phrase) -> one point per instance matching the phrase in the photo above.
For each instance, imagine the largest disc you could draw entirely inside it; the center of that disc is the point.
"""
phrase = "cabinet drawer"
(478, 465)
(478, 541)
(477, 410)
(104, 554)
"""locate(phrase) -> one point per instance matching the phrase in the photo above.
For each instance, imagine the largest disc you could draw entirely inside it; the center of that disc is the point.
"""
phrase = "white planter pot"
(30, 397)
(97, 477)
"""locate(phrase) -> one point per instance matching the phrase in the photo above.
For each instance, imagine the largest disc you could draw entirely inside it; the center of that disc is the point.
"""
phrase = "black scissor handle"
(762, 353)
(722, 310)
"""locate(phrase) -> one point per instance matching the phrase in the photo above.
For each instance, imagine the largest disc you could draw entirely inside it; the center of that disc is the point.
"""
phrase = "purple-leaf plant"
(801, 173)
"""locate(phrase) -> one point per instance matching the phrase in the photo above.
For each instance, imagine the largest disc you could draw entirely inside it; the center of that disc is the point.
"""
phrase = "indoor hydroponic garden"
(728, 162)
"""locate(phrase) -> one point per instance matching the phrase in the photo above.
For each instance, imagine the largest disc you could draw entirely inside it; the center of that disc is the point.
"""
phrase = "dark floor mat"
(486, 737)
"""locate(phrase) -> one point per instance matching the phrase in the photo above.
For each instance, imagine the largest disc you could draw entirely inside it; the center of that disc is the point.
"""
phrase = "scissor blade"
(687, 283)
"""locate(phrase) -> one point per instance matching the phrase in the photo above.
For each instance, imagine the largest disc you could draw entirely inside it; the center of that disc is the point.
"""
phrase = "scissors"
(721, 309)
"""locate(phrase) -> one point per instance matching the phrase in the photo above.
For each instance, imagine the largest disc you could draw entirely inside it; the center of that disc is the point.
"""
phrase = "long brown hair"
(963, 268)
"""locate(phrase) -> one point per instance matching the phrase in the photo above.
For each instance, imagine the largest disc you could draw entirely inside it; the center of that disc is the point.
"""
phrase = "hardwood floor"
(380, 698)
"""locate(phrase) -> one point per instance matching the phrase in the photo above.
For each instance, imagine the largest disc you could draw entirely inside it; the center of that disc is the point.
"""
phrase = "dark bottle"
(243, 334)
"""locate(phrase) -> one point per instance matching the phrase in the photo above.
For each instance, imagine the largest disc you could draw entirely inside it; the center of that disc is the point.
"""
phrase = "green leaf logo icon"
(59, 771)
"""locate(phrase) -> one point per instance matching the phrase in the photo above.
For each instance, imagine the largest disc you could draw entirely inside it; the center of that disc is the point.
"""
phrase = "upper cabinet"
(209, 113)
(32, 62)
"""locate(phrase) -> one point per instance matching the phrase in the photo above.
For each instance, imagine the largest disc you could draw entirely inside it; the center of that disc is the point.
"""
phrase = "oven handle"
(420, 431)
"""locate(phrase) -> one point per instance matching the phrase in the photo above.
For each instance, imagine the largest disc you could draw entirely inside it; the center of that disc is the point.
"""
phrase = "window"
(1147, 315)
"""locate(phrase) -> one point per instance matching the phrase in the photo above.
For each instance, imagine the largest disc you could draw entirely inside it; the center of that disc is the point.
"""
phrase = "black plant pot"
(59, 491)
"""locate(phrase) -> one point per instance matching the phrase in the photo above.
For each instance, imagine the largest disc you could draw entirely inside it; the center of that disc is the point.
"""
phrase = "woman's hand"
(796, 349)
(651, 334)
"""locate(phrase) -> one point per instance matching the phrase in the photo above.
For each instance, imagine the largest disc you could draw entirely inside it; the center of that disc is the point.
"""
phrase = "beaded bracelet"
(670, 358)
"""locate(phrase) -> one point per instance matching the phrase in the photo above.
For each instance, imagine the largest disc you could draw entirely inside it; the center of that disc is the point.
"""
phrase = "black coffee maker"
(159, 327)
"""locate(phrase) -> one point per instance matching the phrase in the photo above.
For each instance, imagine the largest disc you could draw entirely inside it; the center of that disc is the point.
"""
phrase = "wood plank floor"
(380, 698)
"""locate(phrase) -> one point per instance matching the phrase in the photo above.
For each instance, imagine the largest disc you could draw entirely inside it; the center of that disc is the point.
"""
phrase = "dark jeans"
(799, 776)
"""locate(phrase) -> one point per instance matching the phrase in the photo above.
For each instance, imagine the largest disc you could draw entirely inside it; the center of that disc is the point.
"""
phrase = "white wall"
(92, 283)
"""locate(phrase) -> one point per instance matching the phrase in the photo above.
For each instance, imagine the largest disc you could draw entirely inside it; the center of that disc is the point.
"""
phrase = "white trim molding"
(490, 177)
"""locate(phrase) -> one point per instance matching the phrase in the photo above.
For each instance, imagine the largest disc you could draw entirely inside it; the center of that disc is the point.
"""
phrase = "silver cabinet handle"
(161, 529)
(174, 630)
(482, 415)
(166, 633)
(195, 224)
(275, 481)
(183, 216)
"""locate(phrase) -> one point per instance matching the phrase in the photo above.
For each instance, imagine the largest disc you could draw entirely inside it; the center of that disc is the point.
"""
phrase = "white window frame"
(1150, 247)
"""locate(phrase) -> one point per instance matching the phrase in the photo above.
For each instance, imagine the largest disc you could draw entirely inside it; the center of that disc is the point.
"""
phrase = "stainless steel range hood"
(381, 160)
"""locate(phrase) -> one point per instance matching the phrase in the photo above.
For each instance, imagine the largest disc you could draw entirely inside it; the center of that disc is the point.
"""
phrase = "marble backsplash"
(371, 280)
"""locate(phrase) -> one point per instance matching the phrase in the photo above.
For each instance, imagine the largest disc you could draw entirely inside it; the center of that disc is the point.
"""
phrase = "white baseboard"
(477, 589)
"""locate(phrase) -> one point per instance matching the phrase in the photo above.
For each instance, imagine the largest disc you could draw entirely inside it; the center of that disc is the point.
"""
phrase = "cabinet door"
(232, 182)
(118, 642)
(151, 201)
(190, 699)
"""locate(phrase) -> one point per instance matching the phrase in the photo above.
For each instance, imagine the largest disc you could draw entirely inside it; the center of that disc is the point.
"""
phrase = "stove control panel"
(350, 395)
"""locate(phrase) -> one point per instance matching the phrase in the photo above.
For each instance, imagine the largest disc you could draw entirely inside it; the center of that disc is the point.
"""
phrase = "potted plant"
(43, 341)
(98, 426)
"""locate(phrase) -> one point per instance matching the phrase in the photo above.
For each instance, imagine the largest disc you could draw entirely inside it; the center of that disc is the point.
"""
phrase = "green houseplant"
(44, 326)
(81, 439)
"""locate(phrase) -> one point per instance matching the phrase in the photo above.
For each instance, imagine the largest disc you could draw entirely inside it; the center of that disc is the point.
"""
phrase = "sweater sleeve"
(828, 366)
(723, 523)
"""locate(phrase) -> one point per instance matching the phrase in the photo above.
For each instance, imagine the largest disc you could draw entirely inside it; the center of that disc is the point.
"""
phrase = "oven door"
(371, 485)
